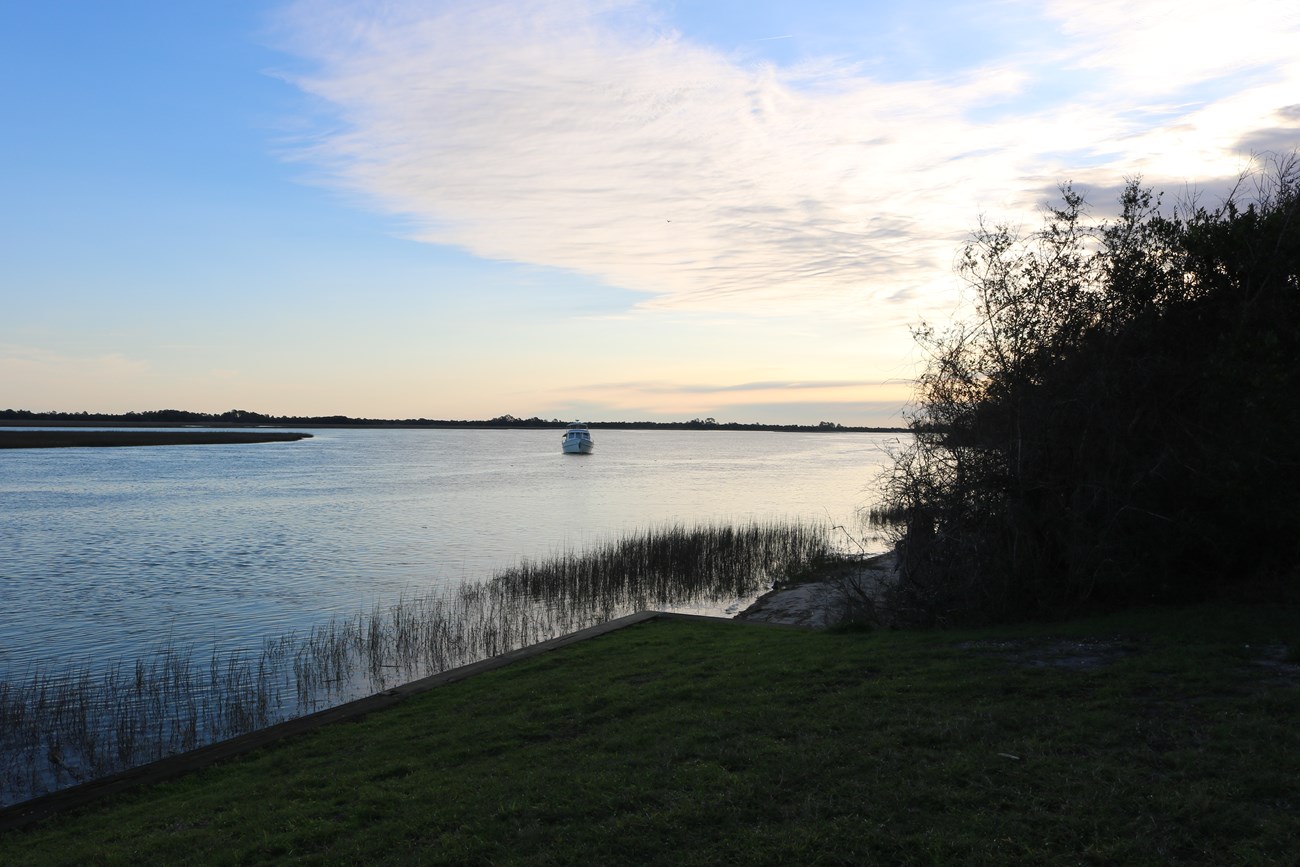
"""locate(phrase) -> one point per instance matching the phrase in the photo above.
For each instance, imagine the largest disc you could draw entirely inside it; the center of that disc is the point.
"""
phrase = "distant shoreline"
(381, 424)
(53, 439)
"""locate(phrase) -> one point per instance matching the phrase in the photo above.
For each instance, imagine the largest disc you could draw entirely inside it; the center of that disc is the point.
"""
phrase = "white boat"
(577, 440)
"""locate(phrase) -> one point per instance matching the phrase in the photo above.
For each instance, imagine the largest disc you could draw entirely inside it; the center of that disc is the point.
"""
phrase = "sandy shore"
(52, 439)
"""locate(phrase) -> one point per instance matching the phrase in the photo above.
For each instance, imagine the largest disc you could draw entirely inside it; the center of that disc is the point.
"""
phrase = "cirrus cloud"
(594, 137)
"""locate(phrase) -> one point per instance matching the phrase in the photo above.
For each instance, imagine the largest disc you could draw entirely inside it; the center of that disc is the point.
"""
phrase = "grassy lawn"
(1154, 737)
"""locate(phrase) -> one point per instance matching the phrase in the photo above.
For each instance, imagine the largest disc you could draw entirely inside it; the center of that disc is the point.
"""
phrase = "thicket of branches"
(1117, 423)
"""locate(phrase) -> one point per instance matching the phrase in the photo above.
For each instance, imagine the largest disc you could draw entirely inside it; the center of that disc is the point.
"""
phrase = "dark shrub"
(1115, 424)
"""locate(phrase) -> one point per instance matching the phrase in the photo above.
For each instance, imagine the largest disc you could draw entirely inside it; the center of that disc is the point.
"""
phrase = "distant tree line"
(1116, 423)
(246, 417)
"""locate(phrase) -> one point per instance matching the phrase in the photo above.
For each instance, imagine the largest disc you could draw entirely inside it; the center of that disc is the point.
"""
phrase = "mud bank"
(53, 439)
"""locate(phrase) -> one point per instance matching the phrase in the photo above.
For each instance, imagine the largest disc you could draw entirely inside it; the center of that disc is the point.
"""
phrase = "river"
(106, 553)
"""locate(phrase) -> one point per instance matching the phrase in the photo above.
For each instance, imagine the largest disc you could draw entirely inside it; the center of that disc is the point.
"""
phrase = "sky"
(601, 209)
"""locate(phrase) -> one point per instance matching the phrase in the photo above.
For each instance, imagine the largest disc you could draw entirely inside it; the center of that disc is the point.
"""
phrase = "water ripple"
(105, 552)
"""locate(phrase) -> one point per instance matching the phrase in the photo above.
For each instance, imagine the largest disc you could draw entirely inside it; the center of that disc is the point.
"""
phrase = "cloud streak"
(773, 385)
(591, 136)
(864, 401)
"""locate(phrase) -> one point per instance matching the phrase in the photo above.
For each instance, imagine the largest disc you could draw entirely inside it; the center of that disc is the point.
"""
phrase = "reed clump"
(60, 728)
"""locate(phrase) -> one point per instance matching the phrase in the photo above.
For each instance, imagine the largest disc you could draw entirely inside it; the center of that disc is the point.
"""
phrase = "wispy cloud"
(591, 136)
(865, 401)
(774, 385)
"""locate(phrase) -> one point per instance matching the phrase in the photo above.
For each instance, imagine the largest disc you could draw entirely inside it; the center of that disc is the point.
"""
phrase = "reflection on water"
(106, 553)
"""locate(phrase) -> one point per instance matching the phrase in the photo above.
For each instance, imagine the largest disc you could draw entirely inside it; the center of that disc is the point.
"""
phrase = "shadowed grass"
(705, 743)
(61, 728)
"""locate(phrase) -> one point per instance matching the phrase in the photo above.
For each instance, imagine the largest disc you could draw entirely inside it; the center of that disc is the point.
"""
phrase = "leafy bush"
(1114, 425)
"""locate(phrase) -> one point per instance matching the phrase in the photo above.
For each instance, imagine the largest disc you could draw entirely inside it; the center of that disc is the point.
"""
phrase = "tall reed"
(59, 728)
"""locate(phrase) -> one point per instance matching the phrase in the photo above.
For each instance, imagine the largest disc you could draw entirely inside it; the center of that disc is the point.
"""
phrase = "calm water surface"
(105, 553)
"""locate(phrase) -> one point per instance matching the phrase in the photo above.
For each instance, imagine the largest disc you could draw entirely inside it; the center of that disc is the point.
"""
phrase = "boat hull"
(578, 447)
(577, 440)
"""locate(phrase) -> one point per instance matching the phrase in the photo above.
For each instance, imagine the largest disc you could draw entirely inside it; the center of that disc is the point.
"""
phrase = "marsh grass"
(59, 728)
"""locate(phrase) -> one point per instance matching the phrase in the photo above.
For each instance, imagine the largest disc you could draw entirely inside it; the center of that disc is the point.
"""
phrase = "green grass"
(698, 743)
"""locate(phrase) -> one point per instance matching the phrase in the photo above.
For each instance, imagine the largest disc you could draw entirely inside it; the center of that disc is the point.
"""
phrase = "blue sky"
(607, 210)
